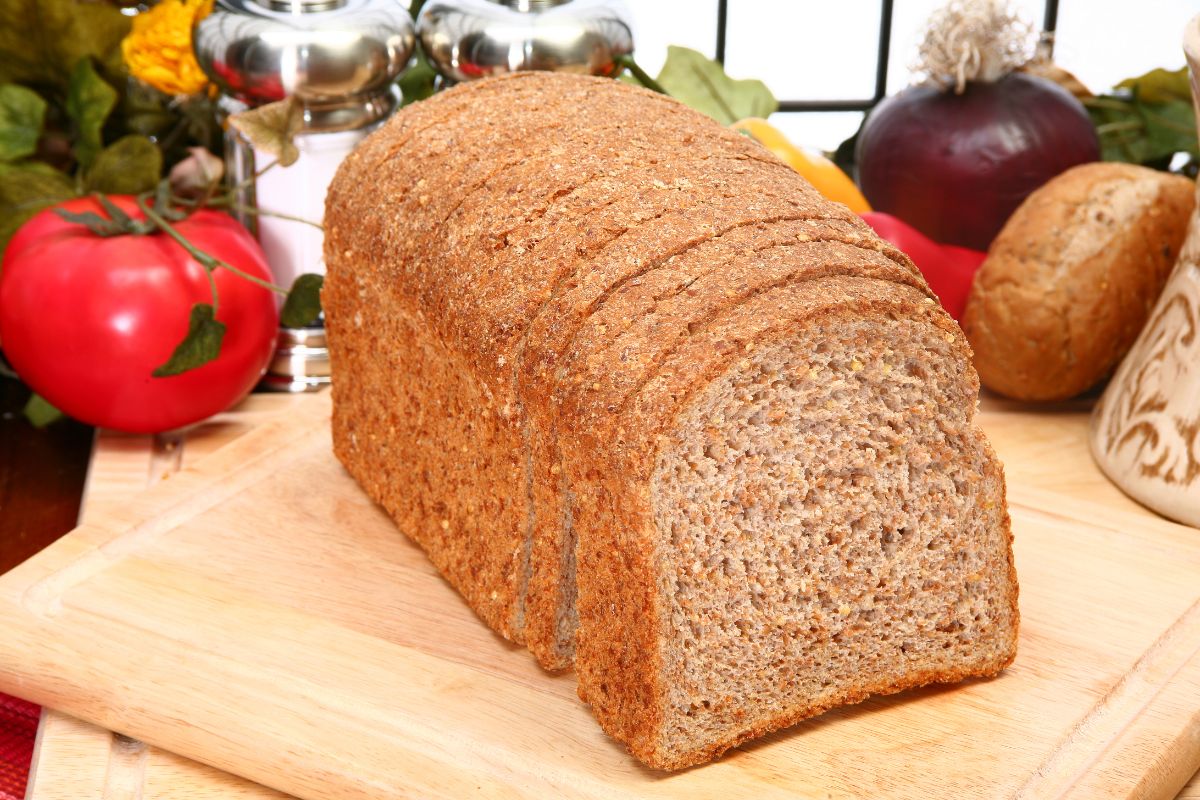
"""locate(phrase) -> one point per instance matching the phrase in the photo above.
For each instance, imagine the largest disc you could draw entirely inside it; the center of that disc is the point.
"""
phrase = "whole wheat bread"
(654, 406)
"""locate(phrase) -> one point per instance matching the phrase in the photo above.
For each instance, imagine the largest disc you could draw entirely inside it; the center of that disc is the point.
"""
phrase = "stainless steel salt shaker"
(469, 39)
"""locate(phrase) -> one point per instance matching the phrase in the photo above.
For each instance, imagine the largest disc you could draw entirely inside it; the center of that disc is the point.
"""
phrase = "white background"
(814, 49)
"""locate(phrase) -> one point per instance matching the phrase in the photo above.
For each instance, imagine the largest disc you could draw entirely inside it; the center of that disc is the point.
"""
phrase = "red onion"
(955, 159)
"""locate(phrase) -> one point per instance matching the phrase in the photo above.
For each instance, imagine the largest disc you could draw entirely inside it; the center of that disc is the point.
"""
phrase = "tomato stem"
(642, 76)
(207, 261)
(212, 285)
(259, 212)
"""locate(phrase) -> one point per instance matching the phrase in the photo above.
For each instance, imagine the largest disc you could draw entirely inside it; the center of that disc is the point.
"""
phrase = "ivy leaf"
(130, 165)
(694, 79)
(1160, 86)
(201, 345)
(22, 114)
(39, 412)
(41, 41)
(89, 102)
(26, 188)
(303, 303)
(272, 128)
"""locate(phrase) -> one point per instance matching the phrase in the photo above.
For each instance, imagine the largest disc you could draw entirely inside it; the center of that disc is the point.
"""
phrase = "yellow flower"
(158, 50)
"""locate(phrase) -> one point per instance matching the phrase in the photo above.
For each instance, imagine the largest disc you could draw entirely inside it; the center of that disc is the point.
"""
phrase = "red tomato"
(84, 319)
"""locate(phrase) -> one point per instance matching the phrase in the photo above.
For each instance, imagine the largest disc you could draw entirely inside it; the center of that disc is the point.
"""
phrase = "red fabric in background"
(18, 729)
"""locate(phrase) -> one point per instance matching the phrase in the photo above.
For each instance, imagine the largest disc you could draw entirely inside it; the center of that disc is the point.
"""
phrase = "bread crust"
(1070, 280)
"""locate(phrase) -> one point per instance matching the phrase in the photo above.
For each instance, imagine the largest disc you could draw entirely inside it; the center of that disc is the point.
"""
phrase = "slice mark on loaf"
(626, 166)
(793, 465)
(568, 192)
(719, 281)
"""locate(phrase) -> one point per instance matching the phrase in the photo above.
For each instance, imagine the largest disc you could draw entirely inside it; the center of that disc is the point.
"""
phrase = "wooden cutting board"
(76, 760)
(258, 614)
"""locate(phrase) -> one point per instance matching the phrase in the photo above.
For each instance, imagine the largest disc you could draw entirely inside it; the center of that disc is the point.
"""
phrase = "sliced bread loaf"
(616, 368)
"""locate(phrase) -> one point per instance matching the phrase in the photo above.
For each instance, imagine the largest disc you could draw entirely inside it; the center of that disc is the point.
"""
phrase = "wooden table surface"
(77, 760)
(42, 474)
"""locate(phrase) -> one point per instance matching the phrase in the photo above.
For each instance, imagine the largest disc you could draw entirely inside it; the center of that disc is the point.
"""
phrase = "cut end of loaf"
(831, 526)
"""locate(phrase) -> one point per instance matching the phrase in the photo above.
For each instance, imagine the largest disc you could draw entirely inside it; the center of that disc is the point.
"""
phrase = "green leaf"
(1170, 129)
(272, 128)
(702, 84)
(1160, 86)
(201, 345)
(89, 102)
(101, 226)
(130, 165)
(22, 114)
(41, 41)
(1137, 132)
(39, 412)
(26, 188)
(417, 82)
(303, 303)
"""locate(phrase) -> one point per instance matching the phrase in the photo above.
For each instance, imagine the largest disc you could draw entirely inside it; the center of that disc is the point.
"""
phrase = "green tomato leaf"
(272, 128)
(1136, 132)
(22, 114)
(1170, 129)
(303, 303)
(201, 345)
(26, 188)
(417, 82)
(39, 412)
(89, 102)
(1160, 86)
(130, 165)
(41, 41)
(701, 83)
(100, 226)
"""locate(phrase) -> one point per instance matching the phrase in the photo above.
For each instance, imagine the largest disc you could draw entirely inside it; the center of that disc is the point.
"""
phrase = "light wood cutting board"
(76, 760)
(259, 615)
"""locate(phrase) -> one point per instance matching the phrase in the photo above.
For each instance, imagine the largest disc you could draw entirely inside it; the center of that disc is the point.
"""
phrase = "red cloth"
(18, 729)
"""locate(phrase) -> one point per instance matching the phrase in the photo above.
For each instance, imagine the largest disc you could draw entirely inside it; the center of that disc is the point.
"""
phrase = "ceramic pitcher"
(1145, 431)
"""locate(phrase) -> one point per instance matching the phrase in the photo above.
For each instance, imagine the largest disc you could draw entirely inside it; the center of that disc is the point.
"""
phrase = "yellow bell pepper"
(822, 173)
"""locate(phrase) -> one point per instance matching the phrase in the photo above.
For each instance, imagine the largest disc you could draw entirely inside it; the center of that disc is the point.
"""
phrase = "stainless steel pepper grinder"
(339, 59)
(469, 39)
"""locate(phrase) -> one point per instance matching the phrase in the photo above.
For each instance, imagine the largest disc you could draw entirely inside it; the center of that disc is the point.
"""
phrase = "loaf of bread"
(657, 409)
(1070, 280)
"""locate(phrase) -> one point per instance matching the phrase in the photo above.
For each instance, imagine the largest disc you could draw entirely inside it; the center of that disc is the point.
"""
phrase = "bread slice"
(796, 513)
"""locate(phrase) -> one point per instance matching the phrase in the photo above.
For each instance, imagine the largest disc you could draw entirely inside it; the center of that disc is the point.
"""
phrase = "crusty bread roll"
(654, 406)
(1072, 277)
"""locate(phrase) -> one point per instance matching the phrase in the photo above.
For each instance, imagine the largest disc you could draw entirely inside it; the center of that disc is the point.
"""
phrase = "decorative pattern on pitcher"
(1162, 430)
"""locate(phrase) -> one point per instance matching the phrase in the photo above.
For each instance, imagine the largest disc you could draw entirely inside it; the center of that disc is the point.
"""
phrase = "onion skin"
(955, 167)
